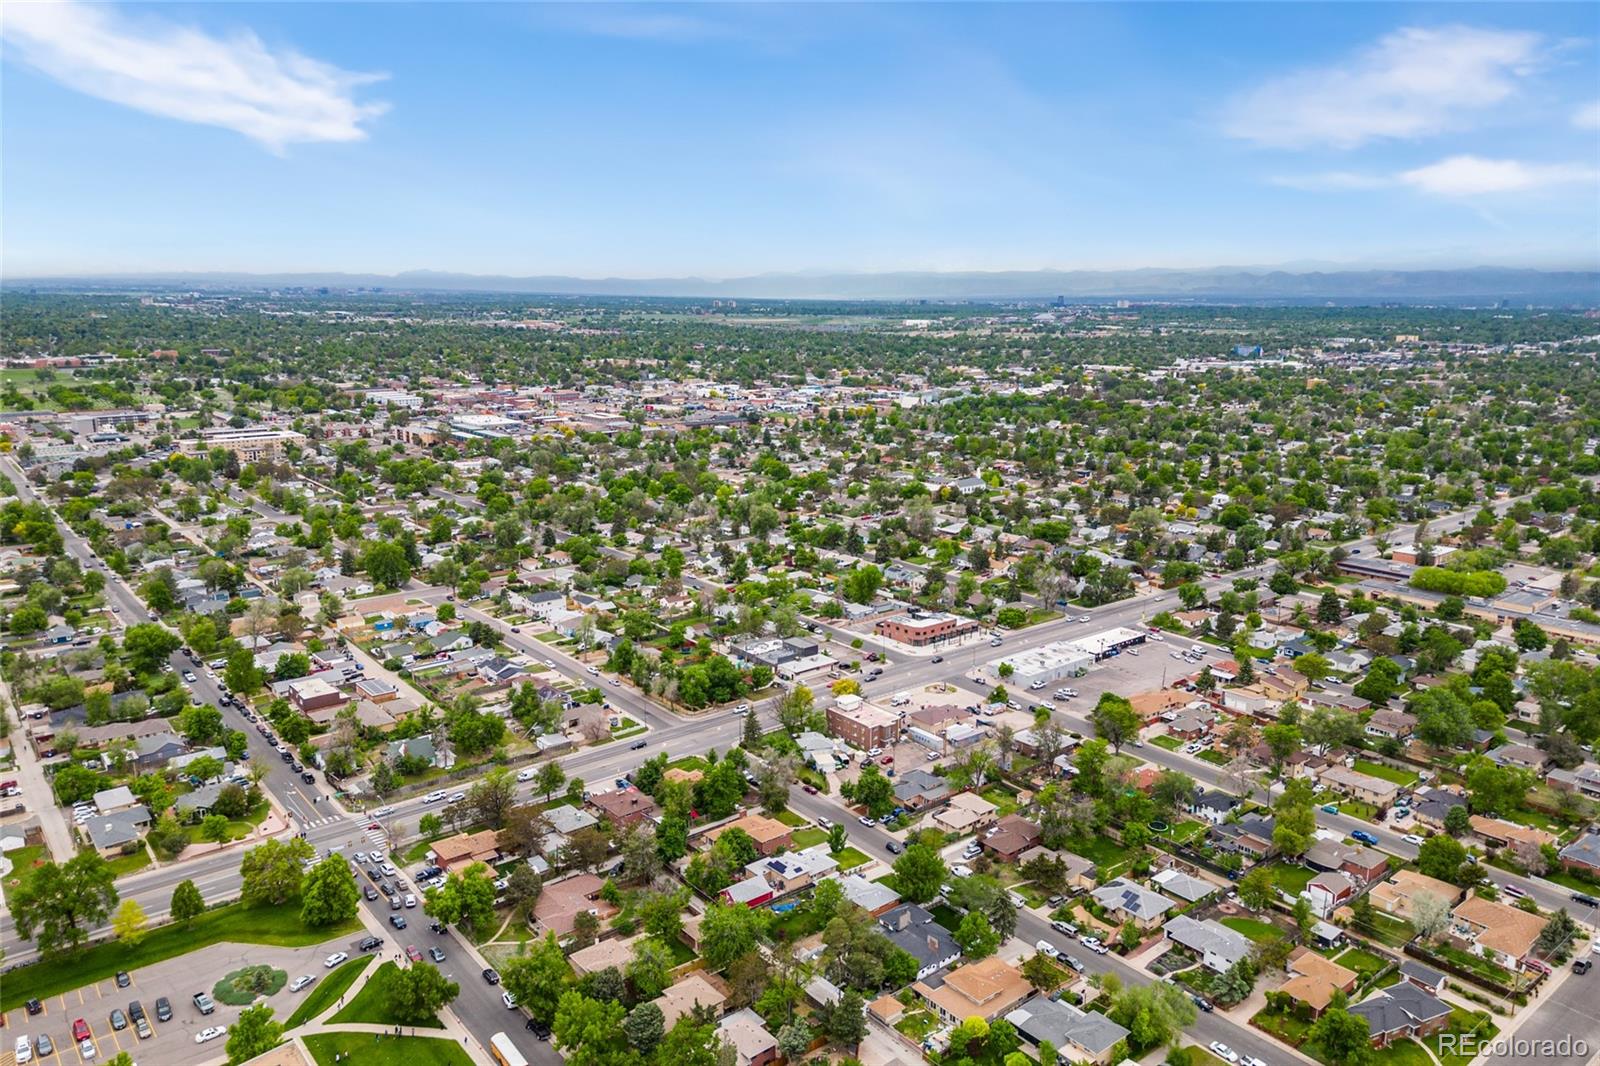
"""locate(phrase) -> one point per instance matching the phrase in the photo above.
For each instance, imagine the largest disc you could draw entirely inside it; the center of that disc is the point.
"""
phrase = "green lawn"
(123, 865)
(1169, 742)
(1401, 1053)
(1285, 1027)
(1464, 1021)
(22, 863)
(1362, 962)
(1252, 928)
(1291, 879)
(1098, 850)
(850, 858)
(1357, 809)
(371, 1004)
(1403, 778)
(1003, 798)
(1186, 831)
(326, 992)
(361, 1049)
(946, 915)
(1214, 757)
(801, 839)
(279, 926)
(790, 819)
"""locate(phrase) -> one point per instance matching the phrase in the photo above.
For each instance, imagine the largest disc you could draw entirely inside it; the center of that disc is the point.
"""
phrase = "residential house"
(1363, 864)
(111, 800)
(1584, 780)
(752, 1044)
(614, 952)
(1010, 837)
(1182, 886)
(1430, 807)
(561, 901)
(1210, 805)
(1502, 934)
(1583, 854)
(1314, 978)
(109, 832)
(1086, 1036)
(966, 812)
(1377, 791)
(1128, 901)
(624, 806)
(1250, 835)
(913, 930)
(1424, 977)
(1218, 947)
(917, 790)
(1398, 895)
(874, 898)
(1391, 724)
(1400, 1011)
(1328, 891)
(770, 835)
(464, 849)
(1521, 756)
(1500, 833)
(692, 990)
(988, 989)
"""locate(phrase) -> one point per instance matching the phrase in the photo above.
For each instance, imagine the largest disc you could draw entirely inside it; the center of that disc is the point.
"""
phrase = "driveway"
(172, 1042)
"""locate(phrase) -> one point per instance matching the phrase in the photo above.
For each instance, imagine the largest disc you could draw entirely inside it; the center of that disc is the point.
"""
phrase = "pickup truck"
(1363, 836)
(203, 1001)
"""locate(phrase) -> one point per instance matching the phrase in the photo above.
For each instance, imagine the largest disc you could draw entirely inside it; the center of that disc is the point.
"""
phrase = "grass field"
(790, 819)
(1292, 879)
(1403, 778)
(1168, 742)
(326, 993)
(361, 1049)
(279, 926)
(1214, 757)
(123, 865)
(850, 858)
(1252, 928)
(805, 838)
(371, 1004)
(22, 862)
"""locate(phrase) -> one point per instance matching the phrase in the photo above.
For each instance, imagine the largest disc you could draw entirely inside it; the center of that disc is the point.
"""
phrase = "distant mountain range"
(1219, 284)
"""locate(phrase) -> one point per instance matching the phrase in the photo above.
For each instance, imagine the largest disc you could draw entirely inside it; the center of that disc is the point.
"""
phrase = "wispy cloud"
(1587, 117)
(642, 24)
(1412, 83)
(276, 97)
(1470, 175)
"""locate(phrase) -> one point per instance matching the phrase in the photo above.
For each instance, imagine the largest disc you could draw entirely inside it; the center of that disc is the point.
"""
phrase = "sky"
(614, 140)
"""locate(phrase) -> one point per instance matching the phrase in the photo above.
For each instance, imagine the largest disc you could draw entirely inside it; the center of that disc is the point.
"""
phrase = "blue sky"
(619, 140)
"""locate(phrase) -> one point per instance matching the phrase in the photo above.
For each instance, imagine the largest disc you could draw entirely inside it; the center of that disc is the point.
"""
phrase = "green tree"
(643, 1028)
(589, 1031)
(874, 791)
(466, 898)
(1115, 721)
(538, 978)
(58, 906)
(415, 994)
(253, 1033)
(727, 932)
(549, 778)
(386, 564)
(329, 894)
(128, 923)
(147, 646)
(187, 904)
(1154, 1014)
(650, 971)
(976, 936)
(1344, 1038)
(1441, 856)
(214, 827)
(271, 872)
(1258, 888)
(919, 872)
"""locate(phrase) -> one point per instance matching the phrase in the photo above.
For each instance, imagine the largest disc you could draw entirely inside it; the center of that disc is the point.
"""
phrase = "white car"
(210, 1032)
(1413, 838)
(1158, 638)
(1223, 1051)
(457, 797)
(961, 869)
(1513, 891)
(388, 869)
(825, 823)
(335, 959)
(509, 1000)
(24, 1049)
(383, 812)
(742, 709)
(1089, 941)
(594, 671)
(525, 775)
(1047, 948)
(1251, 1060)
(300, 982)
(875, 752)
(411, 901)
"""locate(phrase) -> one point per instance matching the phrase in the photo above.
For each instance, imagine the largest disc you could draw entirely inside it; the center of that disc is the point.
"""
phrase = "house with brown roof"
(1501, 833)
(1011, 836)
(1501, 934)
(987, 989)
(752, 1044)
(771, 836)
(615, 952)
(1314, 979)
(694, 989)
(561, 901)
(624, 806)
(965, 812)
(464, 849)
(1398, 895)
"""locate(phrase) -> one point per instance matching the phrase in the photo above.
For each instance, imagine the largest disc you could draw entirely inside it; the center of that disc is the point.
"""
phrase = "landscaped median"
(369, 1049)
(279, 926)
(326, 992)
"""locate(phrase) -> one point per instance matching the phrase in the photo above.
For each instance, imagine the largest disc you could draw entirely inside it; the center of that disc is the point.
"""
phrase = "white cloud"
(277, 97)
(1412, 83)
(1470, 175)
(1587, 117)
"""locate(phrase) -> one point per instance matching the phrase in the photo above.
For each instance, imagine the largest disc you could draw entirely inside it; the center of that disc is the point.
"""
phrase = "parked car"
(335, 959)
(24, 1050)
(1363, 836)
(1044, 947)
(894, 847)
(45, 1046)
(371, 943)
(397, 920)
(204, 1003)
(119, 1020)
(413, 953)
(163, 1009)
(436, 955)
(509, 1000)
(492, 976)
(1224, 1052)
(208, 1034)
(300, 982)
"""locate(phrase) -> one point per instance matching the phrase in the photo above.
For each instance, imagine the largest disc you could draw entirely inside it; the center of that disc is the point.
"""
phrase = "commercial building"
(921, 628)
(861, 725)
(1046, 665)
(248, 445)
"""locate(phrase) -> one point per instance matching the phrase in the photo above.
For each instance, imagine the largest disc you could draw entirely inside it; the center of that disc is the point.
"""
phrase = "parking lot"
(171, 1043)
